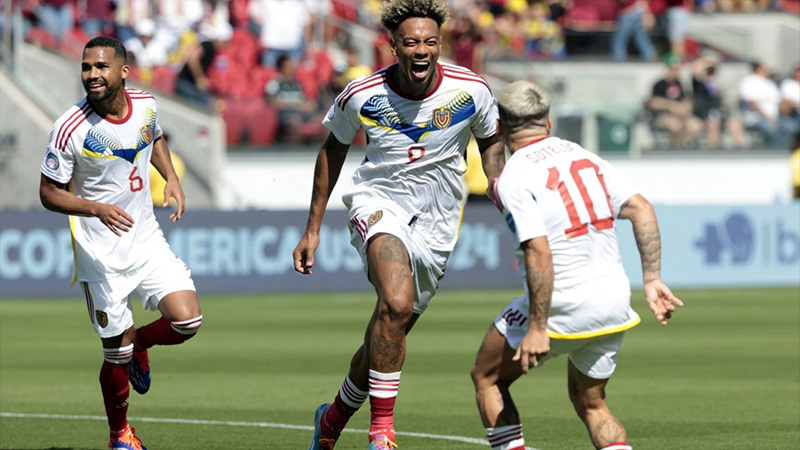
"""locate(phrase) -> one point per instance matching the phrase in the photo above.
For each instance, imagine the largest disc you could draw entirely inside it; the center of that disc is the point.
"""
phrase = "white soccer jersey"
(414, 162)
(555, 188)
(108, 161)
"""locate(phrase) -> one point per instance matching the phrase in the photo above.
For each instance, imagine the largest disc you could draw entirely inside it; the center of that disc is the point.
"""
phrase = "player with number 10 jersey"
(555, 188)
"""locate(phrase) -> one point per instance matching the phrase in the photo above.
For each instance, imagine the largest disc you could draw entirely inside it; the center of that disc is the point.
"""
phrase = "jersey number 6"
(577, 228)
(136, 181)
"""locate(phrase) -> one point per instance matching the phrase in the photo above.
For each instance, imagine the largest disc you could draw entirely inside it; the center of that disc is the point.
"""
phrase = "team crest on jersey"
(442, 117)
(102, 318)
(374, 218)
(147, 134)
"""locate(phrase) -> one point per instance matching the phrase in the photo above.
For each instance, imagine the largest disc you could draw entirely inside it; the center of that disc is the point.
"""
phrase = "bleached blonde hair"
(523, 104)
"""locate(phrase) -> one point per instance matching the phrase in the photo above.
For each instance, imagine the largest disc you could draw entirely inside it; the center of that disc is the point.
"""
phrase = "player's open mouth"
(95, 86)
(420, 68)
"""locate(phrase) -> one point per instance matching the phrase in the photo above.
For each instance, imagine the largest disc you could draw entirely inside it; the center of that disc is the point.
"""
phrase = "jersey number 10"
(578, 228)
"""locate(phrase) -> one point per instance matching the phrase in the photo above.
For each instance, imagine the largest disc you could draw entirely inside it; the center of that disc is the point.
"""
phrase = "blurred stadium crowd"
(273, 67)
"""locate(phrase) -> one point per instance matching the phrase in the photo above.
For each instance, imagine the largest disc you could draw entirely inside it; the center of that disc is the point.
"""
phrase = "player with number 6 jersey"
(561, 202)
(94, 151)
(97, 171)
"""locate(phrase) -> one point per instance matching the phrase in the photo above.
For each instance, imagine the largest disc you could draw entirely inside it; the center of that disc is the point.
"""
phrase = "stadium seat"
(163, 79)
(262, 122)
(39, 36)
(72, 43)
(234, 120)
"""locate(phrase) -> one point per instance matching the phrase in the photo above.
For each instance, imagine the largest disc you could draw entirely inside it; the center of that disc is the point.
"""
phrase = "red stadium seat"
(164, 79)
(234, 123)
(72, 43)
(39, 36)
(262, 123)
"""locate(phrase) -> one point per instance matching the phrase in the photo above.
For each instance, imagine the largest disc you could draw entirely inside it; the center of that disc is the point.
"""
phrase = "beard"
(99, 97)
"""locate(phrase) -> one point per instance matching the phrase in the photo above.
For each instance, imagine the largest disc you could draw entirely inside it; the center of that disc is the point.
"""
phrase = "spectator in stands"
(790, 101)
(56, 16)
(465, 37)
(544, 36)
(285, 29)
(677, 23)
(128, 14)
(97, 17)
(286, 94)
(633, 22)
(760, 100)
(143, 51)
(174, 18)
(192, 82)
(671, 108)
(214, 13)
(709, 105)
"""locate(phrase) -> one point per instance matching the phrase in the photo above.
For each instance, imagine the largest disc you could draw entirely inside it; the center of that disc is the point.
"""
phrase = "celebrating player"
(405, 200)
(561, 202)
(96, 170)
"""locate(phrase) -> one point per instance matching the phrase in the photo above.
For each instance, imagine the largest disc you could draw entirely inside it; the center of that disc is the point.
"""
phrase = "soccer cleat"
(381, 442)
(139, 372)
(126, 441)
(319, 442)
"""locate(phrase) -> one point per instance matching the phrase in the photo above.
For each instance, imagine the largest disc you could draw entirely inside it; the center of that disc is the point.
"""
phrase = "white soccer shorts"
(109, 300)
(427, 265)
(594, 356)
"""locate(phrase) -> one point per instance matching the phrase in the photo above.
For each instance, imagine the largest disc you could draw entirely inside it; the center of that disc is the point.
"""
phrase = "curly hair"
(394, 12)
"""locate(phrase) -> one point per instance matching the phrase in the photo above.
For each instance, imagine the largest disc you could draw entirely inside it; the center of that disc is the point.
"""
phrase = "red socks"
(163, 332)
(114, 384)
(383, 389)
(347, 402)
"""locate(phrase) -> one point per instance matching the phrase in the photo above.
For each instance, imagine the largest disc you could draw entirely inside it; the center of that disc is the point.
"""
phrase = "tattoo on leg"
(400, 273)
(391, 353)
(607, 431)
(392, 250)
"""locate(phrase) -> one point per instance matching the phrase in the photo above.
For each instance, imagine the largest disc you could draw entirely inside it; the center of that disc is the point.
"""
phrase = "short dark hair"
(395, 12)
(110, 42)
(279, 63)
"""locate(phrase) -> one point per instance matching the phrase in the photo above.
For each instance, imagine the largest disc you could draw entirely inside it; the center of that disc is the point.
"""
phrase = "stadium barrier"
(251, 251)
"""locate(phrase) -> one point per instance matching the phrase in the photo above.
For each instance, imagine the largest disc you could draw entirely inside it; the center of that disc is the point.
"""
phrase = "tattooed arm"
(330, 160)
(648, 239)
(539, 276)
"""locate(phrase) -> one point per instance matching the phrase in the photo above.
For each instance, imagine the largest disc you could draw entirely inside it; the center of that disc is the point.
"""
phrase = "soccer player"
(405, 200)
(96, 170)
(561, 201)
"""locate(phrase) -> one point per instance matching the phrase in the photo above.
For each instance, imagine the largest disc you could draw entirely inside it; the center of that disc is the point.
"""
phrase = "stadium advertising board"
(251, 251)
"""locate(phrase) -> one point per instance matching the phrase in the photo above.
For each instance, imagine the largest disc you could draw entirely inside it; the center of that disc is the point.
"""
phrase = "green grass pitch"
(724, 374)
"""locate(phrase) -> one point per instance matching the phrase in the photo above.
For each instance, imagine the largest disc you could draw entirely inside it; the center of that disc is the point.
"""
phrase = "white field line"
(464, 439)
